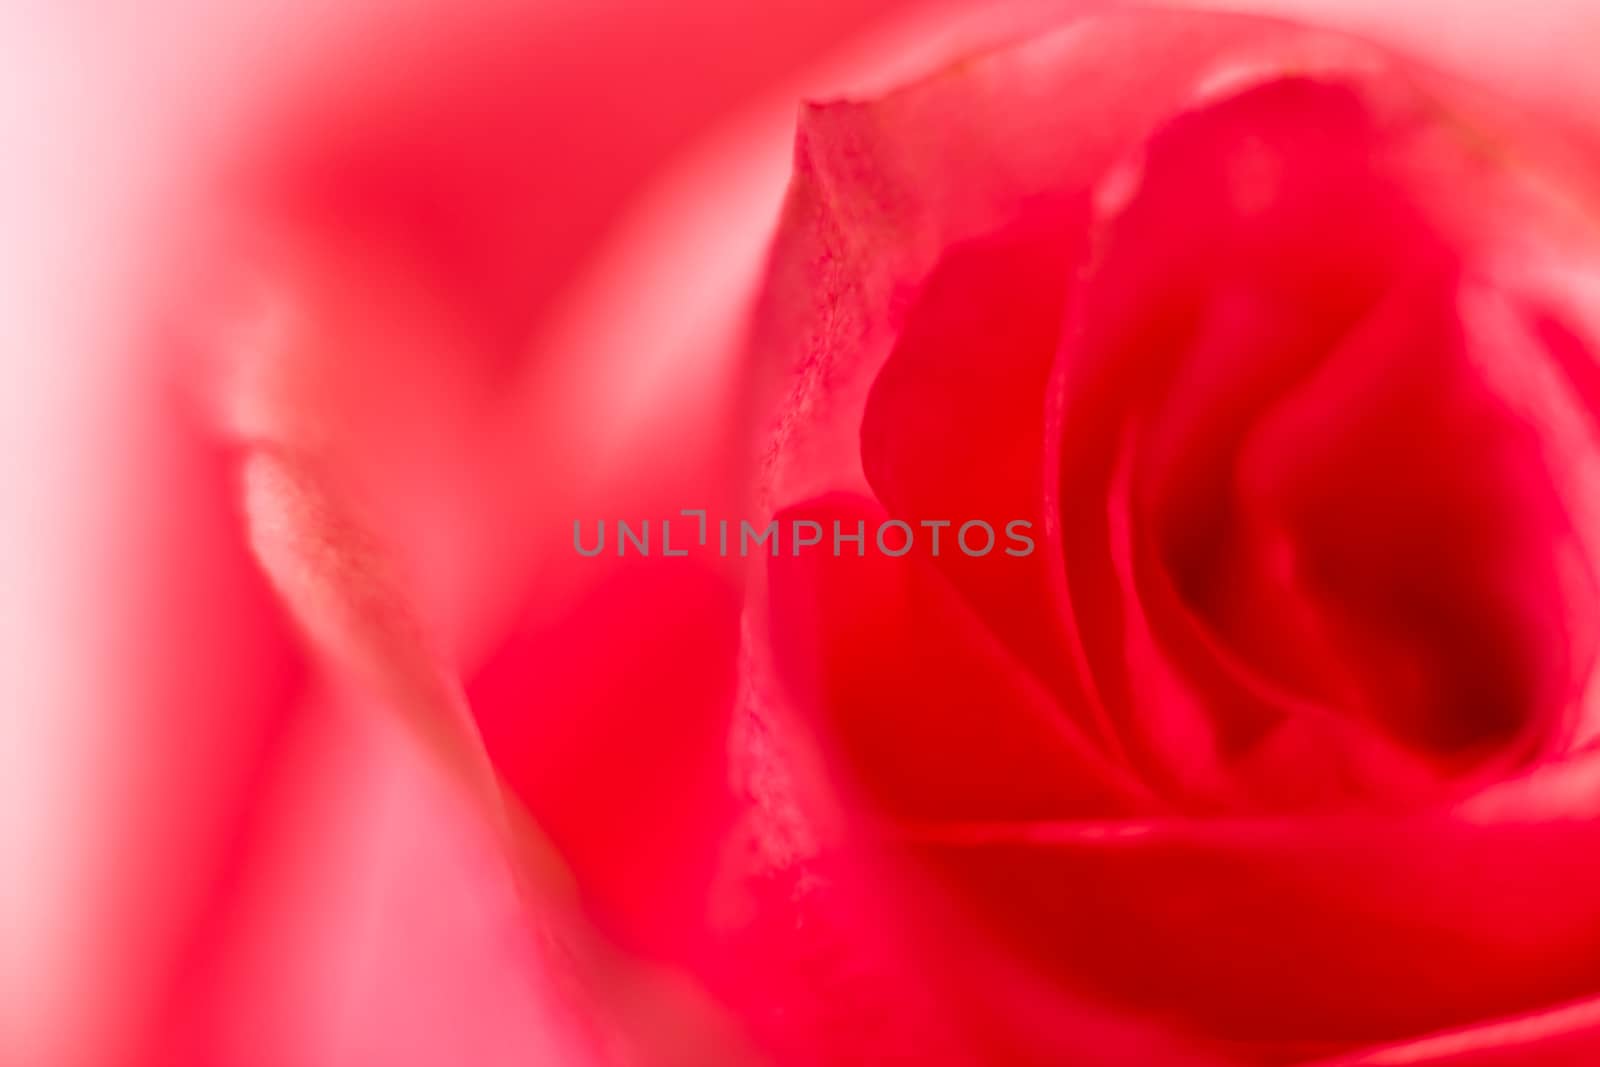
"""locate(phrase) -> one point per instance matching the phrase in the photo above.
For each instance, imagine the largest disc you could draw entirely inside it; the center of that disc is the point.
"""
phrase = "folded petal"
(1331, 933)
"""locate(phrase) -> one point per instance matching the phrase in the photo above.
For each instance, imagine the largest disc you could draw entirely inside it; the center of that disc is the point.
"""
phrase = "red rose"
(1173, 642)
(1279, 741)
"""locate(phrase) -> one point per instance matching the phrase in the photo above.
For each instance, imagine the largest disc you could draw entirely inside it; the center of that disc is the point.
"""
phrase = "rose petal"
(1561, 1037)
(1265, 930)
(933, 714)
(882, 189)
